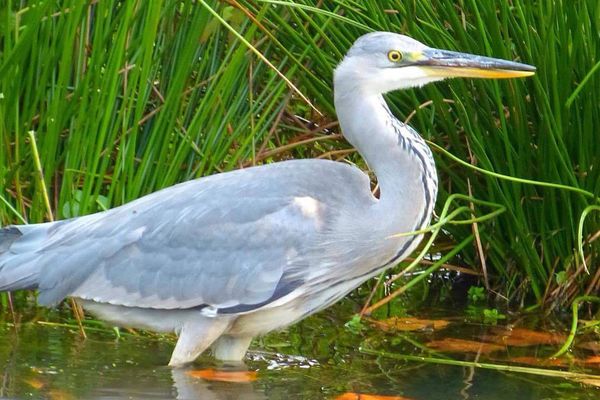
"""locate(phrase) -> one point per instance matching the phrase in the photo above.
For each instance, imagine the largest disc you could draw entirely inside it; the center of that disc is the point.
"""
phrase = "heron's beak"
(450, 64)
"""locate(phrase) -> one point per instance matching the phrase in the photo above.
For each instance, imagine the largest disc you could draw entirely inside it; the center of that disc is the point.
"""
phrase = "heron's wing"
(212, 242)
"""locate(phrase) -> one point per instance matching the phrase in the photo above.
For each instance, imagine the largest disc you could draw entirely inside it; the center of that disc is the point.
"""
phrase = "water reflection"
(41, 361)
(189, 387)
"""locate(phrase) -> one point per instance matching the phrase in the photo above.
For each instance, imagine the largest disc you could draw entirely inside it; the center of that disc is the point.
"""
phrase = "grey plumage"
(234, 225)
(227, 257)
(17, 271)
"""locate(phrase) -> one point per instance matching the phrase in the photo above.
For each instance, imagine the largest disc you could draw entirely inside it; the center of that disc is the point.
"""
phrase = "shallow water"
(316, 359)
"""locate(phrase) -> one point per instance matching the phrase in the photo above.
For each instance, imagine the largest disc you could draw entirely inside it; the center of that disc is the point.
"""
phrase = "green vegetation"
(125, 97)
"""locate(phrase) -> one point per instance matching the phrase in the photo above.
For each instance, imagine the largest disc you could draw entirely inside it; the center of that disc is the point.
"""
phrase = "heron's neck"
(399, 157)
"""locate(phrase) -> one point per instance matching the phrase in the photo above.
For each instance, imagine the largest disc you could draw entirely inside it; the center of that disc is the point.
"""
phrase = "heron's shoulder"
(310, 169)
(249, 194)
(301, 168)
(293, 177)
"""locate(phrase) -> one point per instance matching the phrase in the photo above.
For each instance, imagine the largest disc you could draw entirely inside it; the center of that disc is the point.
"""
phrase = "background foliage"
(126, 97)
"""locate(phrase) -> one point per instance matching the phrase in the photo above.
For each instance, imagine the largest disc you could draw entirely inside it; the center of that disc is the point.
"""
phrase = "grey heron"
(224, 258)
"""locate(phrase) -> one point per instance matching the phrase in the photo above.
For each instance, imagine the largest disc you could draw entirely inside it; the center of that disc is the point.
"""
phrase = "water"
(316, 359)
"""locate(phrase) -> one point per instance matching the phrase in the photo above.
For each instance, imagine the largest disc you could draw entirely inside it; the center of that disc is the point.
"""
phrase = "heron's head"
(380, 62)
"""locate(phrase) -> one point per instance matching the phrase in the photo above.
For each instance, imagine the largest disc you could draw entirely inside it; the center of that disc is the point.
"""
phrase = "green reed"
(127, 97)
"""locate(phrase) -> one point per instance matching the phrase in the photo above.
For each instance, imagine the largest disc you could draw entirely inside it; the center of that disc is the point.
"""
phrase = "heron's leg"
(231, 348)
(195, 336)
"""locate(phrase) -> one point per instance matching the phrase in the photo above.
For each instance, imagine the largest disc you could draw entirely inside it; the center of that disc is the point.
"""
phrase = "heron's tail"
(18, 266)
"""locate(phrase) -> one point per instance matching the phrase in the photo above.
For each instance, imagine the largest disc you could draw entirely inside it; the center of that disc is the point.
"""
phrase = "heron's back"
(193, 244)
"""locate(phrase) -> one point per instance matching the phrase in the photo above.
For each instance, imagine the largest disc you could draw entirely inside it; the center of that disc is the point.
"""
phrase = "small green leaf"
(491, 316)
(103, 203)
(561, 277)
(355, 325)
(476, 294)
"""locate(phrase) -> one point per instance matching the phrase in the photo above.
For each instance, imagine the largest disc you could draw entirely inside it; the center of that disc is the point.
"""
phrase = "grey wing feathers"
(7, 236)
(231, 241)
(18, 269)
(198, 262)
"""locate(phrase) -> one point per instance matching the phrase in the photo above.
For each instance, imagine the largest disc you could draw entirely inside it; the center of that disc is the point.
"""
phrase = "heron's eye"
(394, 56)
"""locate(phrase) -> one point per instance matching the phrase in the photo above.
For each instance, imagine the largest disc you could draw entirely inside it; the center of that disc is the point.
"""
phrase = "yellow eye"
(394, 56)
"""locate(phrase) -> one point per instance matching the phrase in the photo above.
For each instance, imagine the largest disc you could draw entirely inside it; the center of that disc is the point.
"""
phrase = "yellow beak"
(449, 64)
